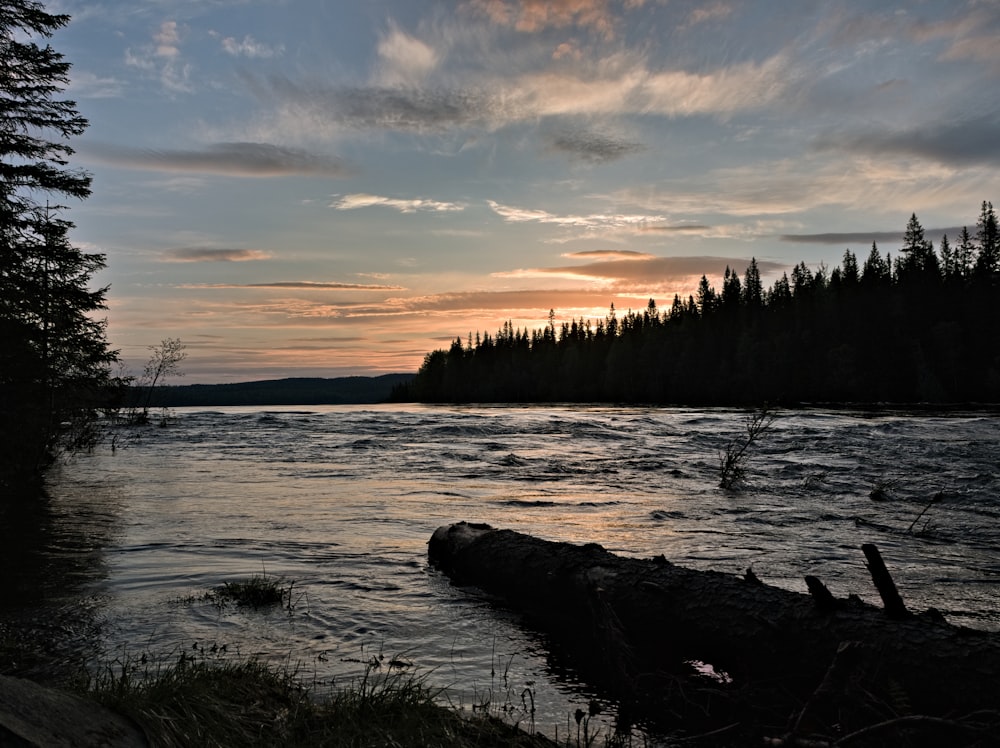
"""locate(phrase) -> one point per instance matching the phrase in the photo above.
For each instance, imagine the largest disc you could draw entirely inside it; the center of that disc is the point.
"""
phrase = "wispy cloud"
(708, 12)
(403, 205)
(301, 286)
(226, 159)
(647, 272)
(87, 85)
(605, 88)
(530, 16)
(593, 222)
(954, 141)
(212, 254)
(250, 47)
(761, 192)
(162, 57)
(404, 60)
(608, 254)
(969, 30)
(591, 147)
(864, 237)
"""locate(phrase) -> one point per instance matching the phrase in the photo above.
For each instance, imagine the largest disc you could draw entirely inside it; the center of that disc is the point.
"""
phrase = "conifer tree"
(988, 235)
(876, 270)
(849, 272)
(917, 254)
(753, 289)
(55, 362)
(965, 254)
(706, 297)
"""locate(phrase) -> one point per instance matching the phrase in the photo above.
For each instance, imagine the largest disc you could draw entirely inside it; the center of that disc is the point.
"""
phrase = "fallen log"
(646, 630)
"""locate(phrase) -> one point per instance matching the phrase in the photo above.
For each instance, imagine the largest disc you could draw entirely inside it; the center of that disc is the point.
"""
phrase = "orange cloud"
(608, 254)
(532, 16)
(300, 286)
(645, 271)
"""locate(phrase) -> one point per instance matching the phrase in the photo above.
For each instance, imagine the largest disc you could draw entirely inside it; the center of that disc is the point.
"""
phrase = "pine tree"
(55, 363)
(877, 270)
(753, 289)
(917, 253)
(707, 300)
(849, 273)
(731, 290)
(965, 254)
(988, 235)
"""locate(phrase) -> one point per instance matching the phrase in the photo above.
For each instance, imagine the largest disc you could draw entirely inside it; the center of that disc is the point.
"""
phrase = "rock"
(32, 715)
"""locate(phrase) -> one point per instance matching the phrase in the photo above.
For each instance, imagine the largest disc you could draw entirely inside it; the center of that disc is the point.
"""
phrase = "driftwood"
(807, 668)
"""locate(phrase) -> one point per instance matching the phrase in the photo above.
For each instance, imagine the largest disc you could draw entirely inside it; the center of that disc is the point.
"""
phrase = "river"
(341, 500)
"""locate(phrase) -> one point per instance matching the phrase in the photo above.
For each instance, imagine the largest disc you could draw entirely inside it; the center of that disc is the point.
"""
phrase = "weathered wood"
(823, 597)
(630, 625)
(894, 606)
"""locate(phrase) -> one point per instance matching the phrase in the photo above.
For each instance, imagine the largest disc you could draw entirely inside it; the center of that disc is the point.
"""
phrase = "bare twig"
(733, 462)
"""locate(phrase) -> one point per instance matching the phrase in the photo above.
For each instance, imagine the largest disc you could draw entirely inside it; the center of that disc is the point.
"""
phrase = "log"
(635, 627)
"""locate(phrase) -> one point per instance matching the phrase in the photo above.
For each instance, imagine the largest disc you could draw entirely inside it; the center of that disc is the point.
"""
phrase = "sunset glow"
(306, 188)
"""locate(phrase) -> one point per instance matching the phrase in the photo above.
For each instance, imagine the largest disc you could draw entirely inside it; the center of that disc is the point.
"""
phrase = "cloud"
(250, 47)
(685, 228)
(716, 11)
(419, 110)
(404, 60)
(649, 271)
(973, 141)
(361, 200)
(89, 86)
(610, 87)
(787, 186)
(301, 286)
(593, 224)
(608, 254)
(862, 237)
(518, 302)
(211, 254)
(226, 159)
(162, 57)
(167, 39)
(591, 147)
(530, 16)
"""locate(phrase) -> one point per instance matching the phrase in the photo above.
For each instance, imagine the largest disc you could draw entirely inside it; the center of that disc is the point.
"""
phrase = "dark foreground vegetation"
(924, 327)
(205, 696)
(190, 701)
(204, 703)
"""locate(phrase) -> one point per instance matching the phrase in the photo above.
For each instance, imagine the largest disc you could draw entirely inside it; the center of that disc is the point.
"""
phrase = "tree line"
(921, 327)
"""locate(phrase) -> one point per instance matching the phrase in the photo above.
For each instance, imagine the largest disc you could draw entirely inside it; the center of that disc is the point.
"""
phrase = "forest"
(923, 327)
(289, 391)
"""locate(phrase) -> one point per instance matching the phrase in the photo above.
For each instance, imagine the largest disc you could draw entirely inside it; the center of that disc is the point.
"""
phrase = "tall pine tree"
(54, 360)
(988, 259)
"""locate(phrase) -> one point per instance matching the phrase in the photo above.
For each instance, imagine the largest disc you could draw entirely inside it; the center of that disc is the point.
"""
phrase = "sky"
(331, 187)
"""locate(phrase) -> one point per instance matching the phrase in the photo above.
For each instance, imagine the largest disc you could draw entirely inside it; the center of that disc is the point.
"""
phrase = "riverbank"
(199, 702)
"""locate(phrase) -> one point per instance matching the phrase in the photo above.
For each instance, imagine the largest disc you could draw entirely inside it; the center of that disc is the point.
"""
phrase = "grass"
(205, 697)
(198, 702)
(258, 591)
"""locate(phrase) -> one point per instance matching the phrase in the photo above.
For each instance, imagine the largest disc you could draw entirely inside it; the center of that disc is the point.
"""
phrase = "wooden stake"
(891, 600)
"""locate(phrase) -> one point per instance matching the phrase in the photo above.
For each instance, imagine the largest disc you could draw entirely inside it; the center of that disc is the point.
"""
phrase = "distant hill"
(292, 391)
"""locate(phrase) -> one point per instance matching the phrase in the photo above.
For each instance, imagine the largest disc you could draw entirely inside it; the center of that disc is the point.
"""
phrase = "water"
(342, 500)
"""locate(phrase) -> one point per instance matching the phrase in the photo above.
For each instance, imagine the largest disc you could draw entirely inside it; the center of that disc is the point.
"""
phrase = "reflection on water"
(342, 500)
(53, 550)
